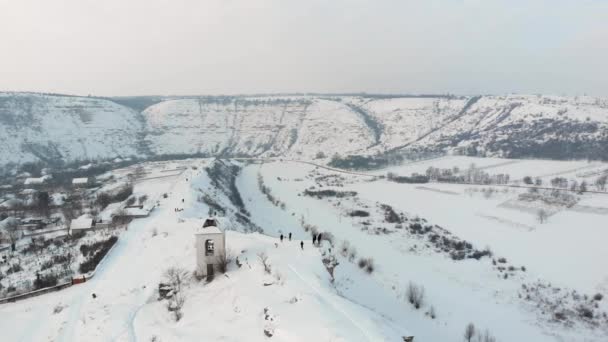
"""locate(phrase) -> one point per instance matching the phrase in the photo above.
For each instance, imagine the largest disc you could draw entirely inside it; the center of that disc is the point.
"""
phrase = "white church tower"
(210, 247)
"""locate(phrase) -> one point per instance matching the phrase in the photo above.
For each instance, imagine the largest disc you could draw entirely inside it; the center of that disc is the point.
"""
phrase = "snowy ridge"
(48, 128)
(54, 127)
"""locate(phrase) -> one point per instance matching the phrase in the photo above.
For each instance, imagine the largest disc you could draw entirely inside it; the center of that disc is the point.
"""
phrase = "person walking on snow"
(289, 236)
(314, 239)
(281, 237)
(319, 239)
(302, 245)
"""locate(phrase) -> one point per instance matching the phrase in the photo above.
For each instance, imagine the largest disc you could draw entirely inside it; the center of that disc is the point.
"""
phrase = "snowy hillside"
(52, 127)
(297, 127)
(473, 253)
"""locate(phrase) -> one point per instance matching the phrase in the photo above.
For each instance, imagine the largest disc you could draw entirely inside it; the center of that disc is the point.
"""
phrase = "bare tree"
(600, 182)
(223, 260)
(486, 337)
(263, 257)
(43, 202)
(12, 232)
(177, 277)
(542, 215)
(582, 188)
(469, 332)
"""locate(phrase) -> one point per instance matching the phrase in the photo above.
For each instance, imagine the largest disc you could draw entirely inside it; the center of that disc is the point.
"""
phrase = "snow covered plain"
(305, 302)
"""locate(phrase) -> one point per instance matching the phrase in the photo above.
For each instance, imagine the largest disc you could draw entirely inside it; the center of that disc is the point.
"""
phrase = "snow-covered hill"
(50, 128)
(542, 283)
(53, 127)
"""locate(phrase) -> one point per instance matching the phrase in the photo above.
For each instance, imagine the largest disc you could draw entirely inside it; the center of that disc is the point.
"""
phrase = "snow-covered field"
(305, 301)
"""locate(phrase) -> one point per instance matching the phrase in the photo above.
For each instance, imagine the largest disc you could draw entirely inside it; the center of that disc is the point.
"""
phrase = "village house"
(81, 182)
(81, 225)
(37, 181)
(210, 248)
(131, 212)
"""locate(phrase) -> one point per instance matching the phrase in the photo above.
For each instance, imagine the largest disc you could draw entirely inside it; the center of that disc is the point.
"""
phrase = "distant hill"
(54, 128)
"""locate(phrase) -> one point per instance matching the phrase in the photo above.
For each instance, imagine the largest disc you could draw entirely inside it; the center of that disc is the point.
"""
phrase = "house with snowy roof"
(81, 182)
(81, 224)
(37, 181)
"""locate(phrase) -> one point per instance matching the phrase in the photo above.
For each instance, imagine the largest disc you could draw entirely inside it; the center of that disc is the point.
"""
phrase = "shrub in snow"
(176, 277)
(469, 332)
(352, 255)
(14, 268)
(329, 193)
(415, 295)
(224, 259)
(370, 266)
(330, 262)
(344, 248)
(431, 313)
(598, 296)
(58, 308)
(98, 250)
(263, 257)
(390, 215)
(358, 213)
(585, 312)
(486, 337)
(367, 264)
(45, 281)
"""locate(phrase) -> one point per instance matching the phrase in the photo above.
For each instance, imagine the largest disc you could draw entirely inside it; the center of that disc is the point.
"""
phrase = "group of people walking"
(316, 239)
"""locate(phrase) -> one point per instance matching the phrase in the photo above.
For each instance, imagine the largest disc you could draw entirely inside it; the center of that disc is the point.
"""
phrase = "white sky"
(135, 47)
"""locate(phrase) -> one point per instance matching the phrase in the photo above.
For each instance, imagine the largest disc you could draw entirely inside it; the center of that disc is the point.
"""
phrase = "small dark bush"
(585, 312)
(390, 215)
(480, 254)
(358, 213)
(502, 260)
(329, 193)
(598, 296)
(369, 268)
(46, 265)
(14, 269)
(92, 262)
(45, 281)
(415, 295)
(457, 255)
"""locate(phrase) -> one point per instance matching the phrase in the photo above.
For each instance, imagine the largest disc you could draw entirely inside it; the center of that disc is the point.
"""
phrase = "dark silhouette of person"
(319, 239)
(314, 239)
(289, 236)
(281, 237)
(302, 245)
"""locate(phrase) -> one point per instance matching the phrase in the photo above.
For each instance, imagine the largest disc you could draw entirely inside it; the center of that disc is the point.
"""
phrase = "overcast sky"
(135, 47)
